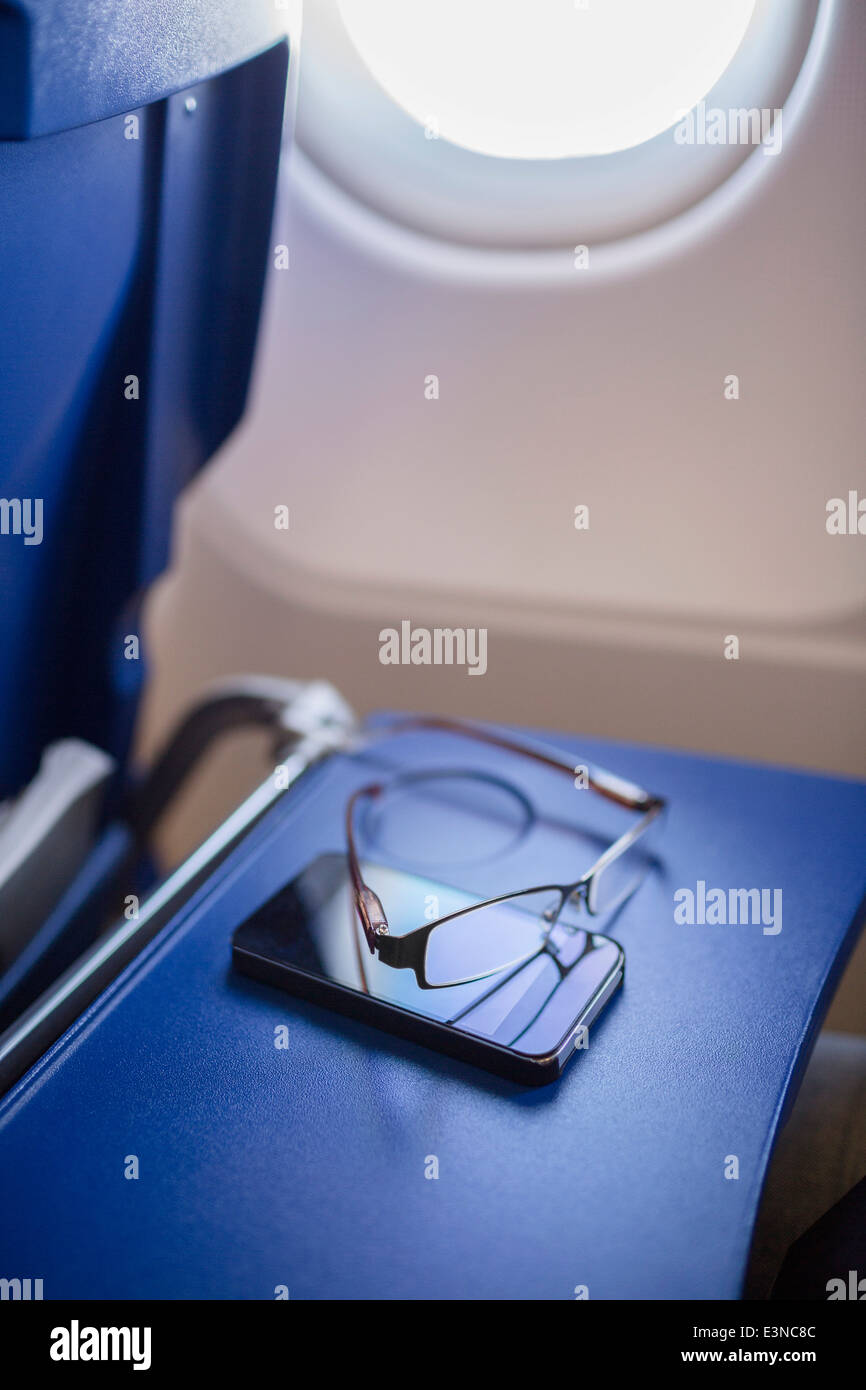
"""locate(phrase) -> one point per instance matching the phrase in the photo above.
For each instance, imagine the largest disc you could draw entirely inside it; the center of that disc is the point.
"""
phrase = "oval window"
(536, 124)
(546, 79)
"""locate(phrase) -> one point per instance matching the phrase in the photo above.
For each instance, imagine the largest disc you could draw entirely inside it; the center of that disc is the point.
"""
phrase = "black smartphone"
(523, 1023)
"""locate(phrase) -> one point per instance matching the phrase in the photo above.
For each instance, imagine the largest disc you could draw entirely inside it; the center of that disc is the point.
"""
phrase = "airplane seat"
(139, 147)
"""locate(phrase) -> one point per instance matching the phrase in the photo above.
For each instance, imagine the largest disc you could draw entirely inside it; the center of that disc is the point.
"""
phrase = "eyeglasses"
(503, 932)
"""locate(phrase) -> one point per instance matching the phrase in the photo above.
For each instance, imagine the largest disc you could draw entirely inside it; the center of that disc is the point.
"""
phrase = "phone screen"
(312, 926)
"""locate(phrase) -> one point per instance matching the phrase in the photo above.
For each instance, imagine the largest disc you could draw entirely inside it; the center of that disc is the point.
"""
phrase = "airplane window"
(534, 125)
(547, 79)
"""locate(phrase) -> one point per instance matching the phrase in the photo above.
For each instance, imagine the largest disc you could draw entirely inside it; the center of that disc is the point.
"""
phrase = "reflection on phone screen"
(312, 925)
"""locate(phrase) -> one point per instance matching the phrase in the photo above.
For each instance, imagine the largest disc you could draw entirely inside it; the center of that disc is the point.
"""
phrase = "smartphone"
(523, 1023)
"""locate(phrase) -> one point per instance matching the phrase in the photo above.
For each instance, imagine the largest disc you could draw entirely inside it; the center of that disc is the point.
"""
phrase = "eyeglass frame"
(409, 951)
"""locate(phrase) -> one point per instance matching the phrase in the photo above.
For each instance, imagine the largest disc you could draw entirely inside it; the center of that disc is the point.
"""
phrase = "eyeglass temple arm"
(369, 908)
(607, 784)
